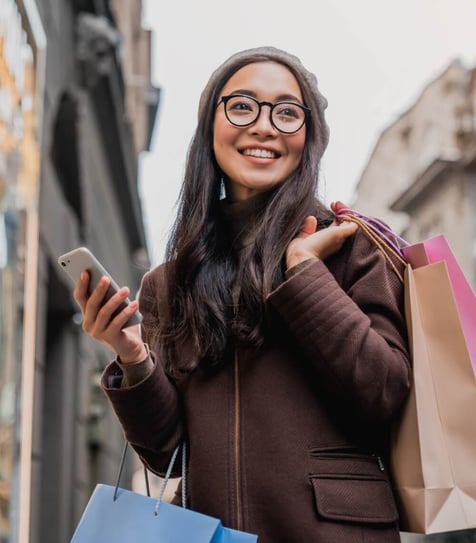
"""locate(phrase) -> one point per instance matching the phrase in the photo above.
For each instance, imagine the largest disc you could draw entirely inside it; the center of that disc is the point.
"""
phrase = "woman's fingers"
(329, 240)
(347, 228)
(320, 244)
(308, 227)
(117, 323)
(102, 323)
(337, 206)
(80, 292)
(99, 314)
(93, 305)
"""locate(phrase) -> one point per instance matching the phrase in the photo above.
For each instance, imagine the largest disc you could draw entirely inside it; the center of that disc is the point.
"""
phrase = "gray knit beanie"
(247, 56)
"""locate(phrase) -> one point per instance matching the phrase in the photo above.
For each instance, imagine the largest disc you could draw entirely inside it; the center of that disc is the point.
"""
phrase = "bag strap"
(382, 242)
(170, 467)
(121, 469)
(380, 228)
(165, 479)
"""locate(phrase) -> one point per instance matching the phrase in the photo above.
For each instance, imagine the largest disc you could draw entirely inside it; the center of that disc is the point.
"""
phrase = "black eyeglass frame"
(225, 99)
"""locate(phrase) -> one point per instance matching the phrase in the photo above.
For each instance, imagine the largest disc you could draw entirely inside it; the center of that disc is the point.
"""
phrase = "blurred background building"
(77, 108)
(421, 175)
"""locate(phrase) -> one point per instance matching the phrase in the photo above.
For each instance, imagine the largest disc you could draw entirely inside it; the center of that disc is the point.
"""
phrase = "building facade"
(421, 176)
(77, 108)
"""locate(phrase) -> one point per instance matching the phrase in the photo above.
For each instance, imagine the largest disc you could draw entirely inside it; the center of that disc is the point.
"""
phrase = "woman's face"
(257, 157)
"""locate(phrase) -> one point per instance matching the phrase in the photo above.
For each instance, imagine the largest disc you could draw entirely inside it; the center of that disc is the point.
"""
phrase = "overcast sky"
(372, 59)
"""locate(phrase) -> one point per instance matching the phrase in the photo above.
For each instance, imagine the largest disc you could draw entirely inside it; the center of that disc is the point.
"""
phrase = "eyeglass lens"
(287, 117)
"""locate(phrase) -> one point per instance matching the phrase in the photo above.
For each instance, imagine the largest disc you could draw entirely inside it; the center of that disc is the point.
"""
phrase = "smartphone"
(81, 259)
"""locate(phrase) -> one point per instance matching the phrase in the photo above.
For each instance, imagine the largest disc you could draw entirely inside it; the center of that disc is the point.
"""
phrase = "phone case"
(80, 259)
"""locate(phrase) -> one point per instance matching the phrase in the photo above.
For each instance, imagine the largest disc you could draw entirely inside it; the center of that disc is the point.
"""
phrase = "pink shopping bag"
(437, 249)
(433, 444)
(430, 251)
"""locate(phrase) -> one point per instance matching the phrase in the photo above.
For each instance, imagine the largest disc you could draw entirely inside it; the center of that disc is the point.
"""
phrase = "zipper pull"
(379, 461)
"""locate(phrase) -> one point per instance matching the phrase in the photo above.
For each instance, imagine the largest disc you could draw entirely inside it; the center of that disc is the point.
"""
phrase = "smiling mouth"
(260, 153)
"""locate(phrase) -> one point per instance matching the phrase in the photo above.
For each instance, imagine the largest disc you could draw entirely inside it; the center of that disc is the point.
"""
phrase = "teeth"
(261, 153)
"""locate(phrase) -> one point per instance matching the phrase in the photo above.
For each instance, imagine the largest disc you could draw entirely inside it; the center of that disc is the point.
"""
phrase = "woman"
(277, 342)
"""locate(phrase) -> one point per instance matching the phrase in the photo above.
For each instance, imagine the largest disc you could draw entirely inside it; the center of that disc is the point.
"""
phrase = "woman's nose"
(263, 122)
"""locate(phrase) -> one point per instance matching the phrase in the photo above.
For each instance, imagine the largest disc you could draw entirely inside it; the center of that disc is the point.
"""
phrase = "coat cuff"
(133, 374)
(154, 399)
(298, 267)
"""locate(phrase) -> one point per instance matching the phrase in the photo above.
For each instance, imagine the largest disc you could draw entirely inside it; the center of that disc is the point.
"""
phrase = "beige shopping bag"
(434, 443)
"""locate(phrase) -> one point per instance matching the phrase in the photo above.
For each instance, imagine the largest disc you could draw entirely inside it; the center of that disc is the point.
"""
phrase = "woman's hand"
(99, 324)
(312, 244)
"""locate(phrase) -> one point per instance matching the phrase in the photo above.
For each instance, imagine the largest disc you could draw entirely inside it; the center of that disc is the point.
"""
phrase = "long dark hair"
(202, 269)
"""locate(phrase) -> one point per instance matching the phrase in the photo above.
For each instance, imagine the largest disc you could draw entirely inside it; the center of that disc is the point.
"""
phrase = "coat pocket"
(352, 487)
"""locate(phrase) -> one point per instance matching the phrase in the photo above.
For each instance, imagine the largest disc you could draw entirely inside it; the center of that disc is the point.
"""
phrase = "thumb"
(308, 227)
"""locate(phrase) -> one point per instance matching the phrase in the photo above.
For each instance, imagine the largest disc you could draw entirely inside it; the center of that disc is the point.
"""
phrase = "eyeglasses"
(242, 110)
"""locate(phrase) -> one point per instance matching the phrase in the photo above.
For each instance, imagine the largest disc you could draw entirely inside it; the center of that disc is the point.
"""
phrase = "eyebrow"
(279, 98)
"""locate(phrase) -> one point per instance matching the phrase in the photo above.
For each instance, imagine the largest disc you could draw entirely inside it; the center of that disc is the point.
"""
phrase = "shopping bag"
(437, 249)
(117, 515)
(132, 517)
(433, 449)
(434, 443)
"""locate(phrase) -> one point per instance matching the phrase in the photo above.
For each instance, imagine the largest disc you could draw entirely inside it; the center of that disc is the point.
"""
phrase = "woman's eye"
(240, 106)
(288, 111)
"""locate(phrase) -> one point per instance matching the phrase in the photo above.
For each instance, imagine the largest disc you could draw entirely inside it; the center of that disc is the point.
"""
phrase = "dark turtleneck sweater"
(239, 218)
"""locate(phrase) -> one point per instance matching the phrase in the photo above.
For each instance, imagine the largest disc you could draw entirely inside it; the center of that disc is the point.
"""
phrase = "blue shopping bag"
(116, 515)
(133, 517)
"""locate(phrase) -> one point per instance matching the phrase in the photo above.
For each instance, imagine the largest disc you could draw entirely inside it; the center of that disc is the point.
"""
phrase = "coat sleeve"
(149, 411)
(353, 330)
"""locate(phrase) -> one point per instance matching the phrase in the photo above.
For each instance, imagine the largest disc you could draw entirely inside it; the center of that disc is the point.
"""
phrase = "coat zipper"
(239, 514)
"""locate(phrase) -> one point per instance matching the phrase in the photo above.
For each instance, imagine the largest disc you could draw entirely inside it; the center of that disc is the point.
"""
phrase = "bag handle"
(375, 231)
(168, 473)
(121, 469)
(165, 480)
(381, 229)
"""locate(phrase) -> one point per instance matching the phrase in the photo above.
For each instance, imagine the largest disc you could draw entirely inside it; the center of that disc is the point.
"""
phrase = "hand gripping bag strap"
(389, 249)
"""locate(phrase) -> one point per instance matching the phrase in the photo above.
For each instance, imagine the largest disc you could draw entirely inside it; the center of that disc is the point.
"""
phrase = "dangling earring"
(222, 188)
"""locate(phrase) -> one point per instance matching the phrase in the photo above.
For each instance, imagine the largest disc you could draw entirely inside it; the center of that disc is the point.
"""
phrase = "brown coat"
(290, 442)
